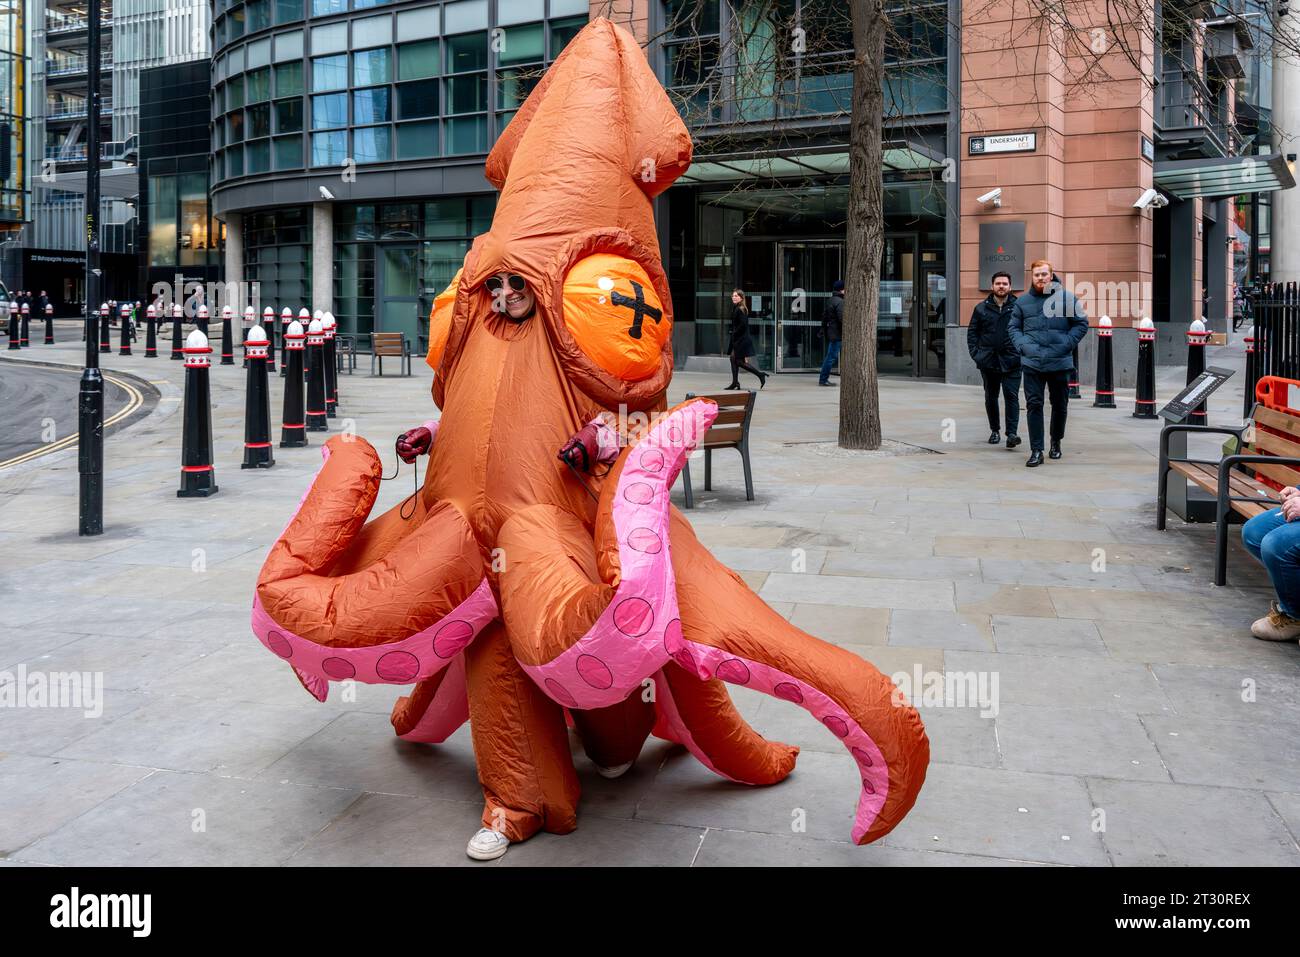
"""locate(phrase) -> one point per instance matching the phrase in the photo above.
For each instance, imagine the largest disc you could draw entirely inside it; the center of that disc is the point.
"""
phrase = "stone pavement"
(1137, 722)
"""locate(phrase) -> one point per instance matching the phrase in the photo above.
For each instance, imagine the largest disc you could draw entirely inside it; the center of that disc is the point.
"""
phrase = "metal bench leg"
(749, 479)
(708, 470)
(686, 484)
(1162, 493)
(1221, 541)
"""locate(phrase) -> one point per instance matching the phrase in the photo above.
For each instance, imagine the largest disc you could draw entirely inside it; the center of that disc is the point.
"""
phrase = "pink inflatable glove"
(595, 443)
(416, 442)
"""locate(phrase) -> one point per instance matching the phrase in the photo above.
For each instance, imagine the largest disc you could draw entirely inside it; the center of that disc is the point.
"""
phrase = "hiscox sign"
(1002, 249)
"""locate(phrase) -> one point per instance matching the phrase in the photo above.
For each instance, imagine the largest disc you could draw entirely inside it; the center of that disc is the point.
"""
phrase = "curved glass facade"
(310, 85)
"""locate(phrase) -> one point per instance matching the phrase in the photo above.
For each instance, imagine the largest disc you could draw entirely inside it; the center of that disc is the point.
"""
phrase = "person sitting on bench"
(1274, 538)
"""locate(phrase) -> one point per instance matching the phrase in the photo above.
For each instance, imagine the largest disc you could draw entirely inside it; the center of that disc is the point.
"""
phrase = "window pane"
(288, 152)
(416, 60)
(257, 14)
(417, 24)
(366, 4)
(322, 7)
(562, 31)
(330, 38)
(513, 87)
(288, 116)
(372, 31)
(286, 11)
(561, 7)
(328, 149)
(370, 67)
(235, 161)
(235, 127)
(288, 46)
(370, 145)
(162, 220)
(467, 94)
(417, 99)
(259, 52)
(257, 156)
(257, 120)
(467, 135)
(329, 73)
(467, 53)
(466, 15)
(417, 140)
(522, 45)
(370, 106)
(329, 112)
(258, 85)
(288, 79)
(235, 93)
(519, 11)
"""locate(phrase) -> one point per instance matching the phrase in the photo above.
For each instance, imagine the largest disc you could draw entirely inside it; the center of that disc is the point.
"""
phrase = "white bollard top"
(196, 340)
(49, 308)
(303, 314)
(1197, 326)
(177, 311)
(1147, 324)
(248, 311)
(149, 313)
(295, 328)
(315, 328)
(13, 306)
(1104, 322)
(126, 308)
(103, 308)
(203, 311)
(226, 312)
(317, 314)
(268, 312)
(286, 314)
(25, 308)
(256, 334)
(327, 320)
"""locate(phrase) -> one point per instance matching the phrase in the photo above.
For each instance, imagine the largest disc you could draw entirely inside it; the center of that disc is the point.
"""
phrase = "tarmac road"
(39, 406)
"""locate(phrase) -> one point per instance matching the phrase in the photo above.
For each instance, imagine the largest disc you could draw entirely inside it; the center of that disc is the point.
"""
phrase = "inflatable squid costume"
(529, 590)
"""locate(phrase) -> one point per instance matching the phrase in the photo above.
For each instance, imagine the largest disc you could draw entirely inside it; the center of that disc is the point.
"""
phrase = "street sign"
(1197, 391)
(1003, 143)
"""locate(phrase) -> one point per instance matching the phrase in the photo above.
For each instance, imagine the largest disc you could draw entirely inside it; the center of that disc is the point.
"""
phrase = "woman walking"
(739, 345)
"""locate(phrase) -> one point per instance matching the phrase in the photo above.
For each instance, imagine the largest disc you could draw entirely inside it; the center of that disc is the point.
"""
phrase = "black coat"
(1046, 328)
(833, 318)
(739, 341)
(987, 339)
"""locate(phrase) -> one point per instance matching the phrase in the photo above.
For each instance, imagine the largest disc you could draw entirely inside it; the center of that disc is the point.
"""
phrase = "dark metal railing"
(1274, 309)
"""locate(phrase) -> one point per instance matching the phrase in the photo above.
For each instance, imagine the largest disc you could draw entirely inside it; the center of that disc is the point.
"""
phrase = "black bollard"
(24, 337)
(257, 403)
(331, 367)
(304, 320)
(293, 428)
(198, 477)
(150, 332)
(1197, 339)
(15, 331)
(105, 317)
(124, 318)
(1105, 387)
(317, 416)
(268, 324)
(227, 338)
(49, 325)
(1074, 376)
(249, 321)
(286, 317)
(1144, 405)
(1252, 374)
(177, 315)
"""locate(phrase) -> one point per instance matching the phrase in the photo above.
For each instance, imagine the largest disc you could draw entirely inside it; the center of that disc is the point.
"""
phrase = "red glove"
(414, 443)
(580, 451)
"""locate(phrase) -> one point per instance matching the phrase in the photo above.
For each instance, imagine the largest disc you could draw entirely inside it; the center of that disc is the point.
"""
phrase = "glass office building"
(348, 142)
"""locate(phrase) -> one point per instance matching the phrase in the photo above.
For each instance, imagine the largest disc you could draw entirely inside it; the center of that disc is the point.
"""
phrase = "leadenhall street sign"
(1003, 143)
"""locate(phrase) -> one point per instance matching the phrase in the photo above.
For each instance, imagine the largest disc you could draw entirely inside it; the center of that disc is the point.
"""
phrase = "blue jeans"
(832, 353)
(1276, 543)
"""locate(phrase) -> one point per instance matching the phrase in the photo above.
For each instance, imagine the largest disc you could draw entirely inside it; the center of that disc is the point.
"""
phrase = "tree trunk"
(859, 395)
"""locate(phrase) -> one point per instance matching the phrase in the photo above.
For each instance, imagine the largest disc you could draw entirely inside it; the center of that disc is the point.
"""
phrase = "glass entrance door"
(806, 272)
(896, 328)
(935, 306)
(397, 292)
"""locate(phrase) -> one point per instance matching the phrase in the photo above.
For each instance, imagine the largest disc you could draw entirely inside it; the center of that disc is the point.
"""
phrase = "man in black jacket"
(996, 356)
(832, 330)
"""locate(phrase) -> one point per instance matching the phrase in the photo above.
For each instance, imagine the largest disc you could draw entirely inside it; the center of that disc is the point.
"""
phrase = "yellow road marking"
(134, 401)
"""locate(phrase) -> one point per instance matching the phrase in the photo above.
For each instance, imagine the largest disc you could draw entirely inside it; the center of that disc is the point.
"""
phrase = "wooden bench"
(1236, 489)
(730, 430)
(390, 344)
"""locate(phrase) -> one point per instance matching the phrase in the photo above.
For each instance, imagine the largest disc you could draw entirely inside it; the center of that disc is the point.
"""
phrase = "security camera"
(325, 193)
(993, 196)
(1151, 199)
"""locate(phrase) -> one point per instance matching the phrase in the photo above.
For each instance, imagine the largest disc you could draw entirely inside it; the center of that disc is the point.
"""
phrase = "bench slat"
(1275, 419)
(728, 435)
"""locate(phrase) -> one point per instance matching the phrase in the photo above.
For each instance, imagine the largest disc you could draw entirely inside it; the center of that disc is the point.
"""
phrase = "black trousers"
(1008, 384)
(1057, 385)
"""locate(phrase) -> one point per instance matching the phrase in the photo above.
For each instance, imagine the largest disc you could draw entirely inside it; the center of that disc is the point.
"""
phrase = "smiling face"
(509, 298)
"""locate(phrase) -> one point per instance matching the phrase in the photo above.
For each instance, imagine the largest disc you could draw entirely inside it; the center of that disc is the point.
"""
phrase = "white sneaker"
(617, 771)
(487, 845)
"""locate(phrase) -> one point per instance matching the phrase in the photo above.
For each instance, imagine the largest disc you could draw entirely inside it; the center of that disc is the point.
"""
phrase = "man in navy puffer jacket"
(1046, 324)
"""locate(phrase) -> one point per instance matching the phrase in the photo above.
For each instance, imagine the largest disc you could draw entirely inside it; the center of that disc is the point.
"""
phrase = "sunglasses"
(517, 283)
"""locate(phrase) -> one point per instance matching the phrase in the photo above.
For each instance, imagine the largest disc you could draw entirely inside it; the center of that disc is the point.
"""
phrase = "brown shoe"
(1277, 625)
